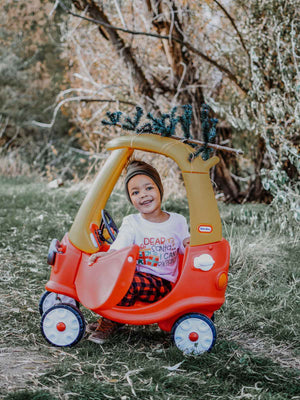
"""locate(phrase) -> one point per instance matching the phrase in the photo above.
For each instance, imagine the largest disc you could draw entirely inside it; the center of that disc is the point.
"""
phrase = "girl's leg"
(146, 287)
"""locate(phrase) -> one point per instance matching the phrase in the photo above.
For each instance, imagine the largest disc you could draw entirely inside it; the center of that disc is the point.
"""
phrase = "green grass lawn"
(256, 355)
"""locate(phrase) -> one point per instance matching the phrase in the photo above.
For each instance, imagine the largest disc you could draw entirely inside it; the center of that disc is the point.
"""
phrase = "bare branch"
(89, 100)
(5, 124)
(72, 99)
(98, 17)
(229, 74)
(120, 13)
(201, 143)
(211, 145)
(234, 26)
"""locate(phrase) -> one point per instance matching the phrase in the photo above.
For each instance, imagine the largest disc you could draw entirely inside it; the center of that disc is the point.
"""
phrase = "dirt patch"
(18, 367)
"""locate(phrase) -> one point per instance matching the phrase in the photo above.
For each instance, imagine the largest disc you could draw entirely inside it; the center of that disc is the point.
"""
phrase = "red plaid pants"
(146, 287)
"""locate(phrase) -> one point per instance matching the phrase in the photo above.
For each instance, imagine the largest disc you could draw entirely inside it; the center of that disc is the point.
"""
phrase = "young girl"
(160, 236)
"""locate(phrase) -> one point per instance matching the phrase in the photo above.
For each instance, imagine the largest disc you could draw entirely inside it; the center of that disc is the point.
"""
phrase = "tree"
(32, 74)
(165, 53)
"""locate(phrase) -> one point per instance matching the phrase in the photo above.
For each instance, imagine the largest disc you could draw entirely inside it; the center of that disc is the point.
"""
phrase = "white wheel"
(50, 299)
(63, 325)
(194, 333)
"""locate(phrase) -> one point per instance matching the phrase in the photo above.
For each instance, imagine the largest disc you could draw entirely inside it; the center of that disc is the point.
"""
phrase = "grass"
(256, 355)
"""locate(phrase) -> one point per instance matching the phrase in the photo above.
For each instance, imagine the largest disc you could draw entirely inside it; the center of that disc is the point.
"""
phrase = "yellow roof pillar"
(96, 198)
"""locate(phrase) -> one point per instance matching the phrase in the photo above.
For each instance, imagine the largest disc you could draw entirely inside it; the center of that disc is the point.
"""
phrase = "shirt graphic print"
(159, 243)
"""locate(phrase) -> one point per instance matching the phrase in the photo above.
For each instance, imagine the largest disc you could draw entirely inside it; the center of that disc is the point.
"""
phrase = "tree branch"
(229, 74)
(234, 26)
(89, 100)
(99, 17)
(211, 145)
(201, 143)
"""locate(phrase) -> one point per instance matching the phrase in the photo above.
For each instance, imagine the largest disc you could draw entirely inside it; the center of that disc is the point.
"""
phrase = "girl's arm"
(125, 238)
(186, 241)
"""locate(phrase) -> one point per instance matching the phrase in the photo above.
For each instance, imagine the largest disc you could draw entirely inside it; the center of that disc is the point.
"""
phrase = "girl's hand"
(94, 256)
(186, 241)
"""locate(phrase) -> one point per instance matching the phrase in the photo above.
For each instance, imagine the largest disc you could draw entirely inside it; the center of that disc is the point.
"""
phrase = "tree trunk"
(221, 174)
(256, 192)
(180, 60)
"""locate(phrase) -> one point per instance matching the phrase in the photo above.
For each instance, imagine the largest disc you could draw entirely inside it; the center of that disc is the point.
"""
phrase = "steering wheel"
(108, 223)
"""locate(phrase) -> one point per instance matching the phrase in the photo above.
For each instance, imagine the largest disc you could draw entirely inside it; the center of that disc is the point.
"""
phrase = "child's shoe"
(91, 327)
(104, 329)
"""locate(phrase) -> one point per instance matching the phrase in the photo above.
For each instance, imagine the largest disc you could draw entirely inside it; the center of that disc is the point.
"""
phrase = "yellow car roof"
(205, 223)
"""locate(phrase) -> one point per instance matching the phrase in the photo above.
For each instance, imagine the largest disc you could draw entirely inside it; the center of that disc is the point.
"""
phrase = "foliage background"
(64, 65)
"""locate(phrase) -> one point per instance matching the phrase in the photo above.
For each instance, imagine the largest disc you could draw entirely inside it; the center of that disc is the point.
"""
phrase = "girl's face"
(144, 195)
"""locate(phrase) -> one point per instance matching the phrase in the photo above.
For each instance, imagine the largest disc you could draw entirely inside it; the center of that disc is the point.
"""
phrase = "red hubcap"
(193, 336)
(60, 326)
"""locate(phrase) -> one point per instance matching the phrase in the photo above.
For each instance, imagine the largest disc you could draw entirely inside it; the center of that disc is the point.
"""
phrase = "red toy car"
(187, 310)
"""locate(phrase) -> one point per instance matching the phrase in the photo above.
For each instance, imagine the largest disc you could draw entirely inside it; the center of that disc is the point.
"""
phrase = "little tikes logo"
(205, 228)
